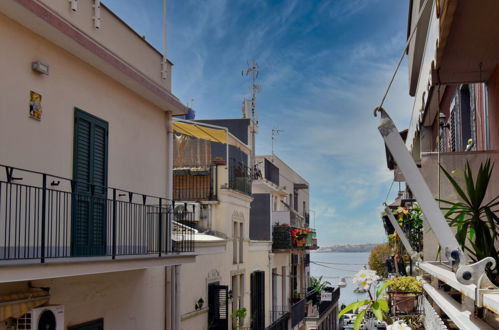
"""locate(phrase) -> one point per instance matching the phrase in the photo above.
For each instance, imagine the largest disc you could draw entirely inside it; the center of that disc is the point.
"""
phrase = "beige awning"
(208, 132)
(17, 304)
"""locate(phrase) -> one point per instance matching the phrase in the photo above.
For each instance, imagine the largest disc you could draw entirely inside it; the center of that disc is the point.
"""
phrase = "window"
(258, 300)
(218, 298)
(235, 242)
(237, 293)
(241, 241)
(90, 177)
(462, 120)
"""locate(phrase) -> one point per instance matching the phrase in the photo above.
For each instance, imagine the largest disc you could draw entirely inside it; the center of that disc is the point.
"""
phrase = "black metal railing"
(279, 319)
(195, 184)
(282, 239)
(240, 177)
(325, 305)
(297, 312)
(47, 216)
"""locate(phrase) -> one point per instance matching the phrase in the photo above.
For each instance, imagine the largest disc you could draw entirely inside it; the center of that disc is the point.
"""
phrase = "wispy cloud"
(324, 66)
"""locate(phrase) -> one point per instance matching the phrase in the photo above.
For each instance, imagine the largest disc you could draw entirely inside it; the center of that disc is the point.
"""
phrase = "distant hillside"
(348, 248)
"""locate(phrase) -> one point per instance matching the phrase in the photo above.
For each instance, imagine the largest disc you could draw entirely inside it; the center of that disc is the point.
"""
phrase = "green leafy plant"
(318, 284)
(477, 222)
(377, 303)
(405, 284)
(238, 315)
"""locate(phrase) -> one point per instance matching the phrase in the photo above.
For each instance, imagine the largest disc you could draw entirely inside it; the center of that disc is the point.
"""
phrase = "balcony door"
(88, 230)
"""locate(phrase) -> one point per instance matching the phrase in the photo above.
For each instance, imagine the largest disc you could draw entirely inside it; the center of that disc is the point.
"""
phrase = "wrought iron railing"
(195, 184)
(45, 216)
(282, 239)
(325, 305)
(279, 319)
(297, 312)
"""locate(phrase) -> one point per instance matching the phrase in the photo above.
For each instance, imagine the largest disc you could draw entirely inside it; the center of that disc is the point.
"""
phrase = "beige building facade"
(86, 183)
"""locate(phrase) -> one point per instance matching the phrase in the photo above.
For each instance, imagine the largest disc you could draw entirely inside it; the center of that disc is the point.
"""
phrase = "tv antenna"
(252, 72)
(275, 133)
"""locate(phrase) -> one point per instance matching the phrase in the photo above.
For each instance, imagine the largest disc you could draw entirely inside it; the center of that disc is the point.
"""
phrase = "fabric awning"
(201, 132)
(17, 304)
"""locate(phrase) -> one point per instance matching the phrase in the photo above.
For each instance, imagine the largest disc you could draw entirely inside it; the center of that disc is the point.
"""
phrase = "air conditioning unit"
(47, 317)
(193, 211)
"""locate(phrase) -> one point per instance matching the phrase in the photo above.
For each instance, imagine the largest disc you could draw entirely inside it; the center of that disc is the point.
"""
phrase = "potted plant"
(299, 236)
(238, 316)
(218, 161)
(317, 285)
(404, 291)
(295, 297)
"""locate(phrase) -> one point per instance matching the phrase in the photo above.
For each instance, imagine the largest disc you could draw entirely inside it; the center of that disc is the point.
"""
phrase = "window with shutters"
(218, 314)
(463, 120)
(90, 154)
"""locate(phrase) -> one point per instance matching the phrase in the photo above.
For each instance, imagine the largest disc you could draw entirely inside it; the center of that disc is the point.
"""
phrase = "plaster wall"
(137, 134)
(454, 163)
(116, 35)
(131, 300)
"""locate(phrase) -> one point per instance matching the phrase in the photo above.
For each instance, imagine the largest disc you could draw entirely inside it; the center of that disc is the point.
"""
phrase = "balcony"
(279, 318)
(240, 177)
(191, 183)
(297, 312)
(282, 239)
(47, 218)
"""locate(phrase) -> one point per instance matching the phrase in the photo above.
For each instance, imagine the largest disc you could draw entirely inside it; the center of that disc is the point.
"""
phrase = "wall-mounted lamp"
(74, 4)
(230, 294)
(199, 304)
(40, 67)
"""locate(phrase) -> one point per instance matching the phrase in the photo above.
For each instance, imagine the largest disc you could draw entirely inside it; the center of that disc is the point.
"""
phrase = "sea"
(335, 265)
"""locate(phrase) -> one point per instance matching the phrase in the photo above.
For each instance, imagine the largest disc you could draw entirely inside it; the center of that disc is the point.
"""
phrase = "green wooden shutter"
(90, 182)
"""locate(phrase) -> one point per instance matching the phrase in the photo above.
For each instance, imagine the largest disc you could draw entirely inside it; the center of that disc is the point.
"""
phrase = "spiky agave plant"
(476, 221)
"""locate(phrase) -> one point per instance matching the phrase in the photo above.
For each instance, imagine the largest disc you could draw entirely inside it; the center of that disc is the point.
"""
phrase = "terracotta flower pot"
(404, 302)
(299, 242)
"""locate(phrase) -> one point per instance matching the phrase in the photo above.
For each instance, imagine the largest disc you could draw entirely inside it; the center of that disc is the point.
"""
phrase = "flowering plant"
(398, 325)
(299, 233)
(365, 279)
(405, 284)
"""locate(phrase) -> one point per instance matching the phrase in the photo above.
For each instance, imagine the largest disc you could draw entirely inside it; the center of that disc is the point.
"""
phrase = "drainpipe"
(177, 297)
(169, 278)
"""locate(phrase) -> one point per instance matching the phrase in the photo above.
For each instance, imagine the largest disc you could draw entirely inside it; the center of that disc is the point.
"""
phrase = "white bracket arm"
(418, 186)
(414, 255)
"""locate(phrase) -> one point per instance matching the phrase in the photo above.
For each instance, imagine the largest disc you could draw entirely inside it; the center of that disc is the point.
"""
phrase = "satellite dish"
(47, 321)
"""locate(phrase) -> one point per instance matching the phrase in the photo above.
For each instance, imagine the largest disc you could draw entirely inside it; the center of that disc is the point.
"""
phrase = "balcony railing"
(282, 239)
(44, 216)
(297, 312)
(195, 184)
(240, 177)
(279, 319)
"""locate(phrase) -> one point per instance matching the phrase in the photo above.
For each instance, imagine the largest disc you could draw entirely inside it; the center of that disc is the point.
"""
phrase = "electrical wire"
(339, 263)
(403, 54)
(389, 191)
(343, 270)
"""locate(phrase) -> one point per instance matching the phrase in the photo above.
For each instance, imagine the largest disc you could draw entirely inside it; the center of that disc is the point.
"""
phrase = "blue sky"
(323, 66)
